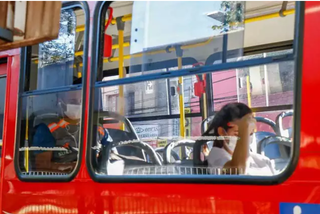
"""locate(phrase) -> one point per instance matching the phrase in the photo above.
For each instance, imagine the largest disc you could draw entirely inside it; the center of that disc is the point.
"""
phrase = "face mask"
(73, 111)
(232, 141)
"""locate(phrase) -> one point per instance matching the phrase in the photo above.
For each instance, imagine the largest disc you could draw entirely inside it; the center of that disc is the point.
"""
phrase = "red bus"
(150, 76)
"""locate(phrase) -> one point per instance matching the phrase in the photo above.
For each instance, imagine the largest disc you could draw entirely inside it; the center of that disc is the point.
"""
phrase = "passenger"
(233, 126)
(60, 133)
(203, 155)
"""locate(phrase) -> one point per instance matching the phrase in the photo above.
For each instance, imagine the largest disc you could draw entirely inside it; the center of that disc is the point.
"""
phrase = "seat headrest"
(43, 117)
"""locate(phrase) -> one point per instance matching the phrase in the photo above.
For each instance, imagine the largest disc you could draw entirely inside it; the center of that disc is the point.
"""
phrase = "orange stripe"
(51, 124)
(60, 122)
(100, 130)
(63, 123)
(54, 128)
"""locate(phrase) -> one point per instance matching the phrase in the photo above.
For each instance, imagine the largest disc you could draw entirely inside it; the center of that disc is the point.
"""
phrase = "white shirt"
(256, 163)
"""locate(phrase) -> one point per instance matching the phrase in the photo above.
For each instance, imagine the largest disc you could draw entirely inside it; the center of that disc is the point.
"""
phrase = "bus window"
(51, 102)
(179, 80)
(165, 137)
(3, 81)
(58, 63)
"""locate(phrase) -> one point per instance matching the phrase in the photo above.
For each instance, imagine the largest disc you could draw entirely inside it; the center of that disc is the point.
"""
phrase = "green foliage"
(233, 15)
(62, 49)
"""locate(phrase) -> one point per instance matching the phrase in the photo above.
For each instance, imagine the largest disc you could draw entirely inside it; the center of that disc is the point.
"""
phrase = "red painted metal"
(82, 195)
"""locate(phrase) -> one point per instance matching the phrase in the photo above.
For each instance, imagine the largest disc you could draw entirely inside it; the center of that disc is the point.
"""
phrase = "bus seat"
(44, 117)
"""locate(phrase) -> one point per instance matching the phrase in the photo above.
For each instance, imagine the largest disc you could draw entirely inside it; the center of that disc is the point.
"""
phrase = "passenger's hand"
(246, 124)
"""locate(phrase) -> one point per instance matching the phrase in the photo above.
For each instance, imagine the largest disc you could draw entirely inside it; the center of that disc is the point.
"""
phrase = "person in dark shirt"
(58, 138)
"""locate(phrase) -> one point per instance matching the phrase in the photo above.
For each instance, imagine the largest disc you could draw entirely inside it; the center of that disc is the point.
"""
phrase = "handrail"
(268, 16)
(115, 46)
(183, 47)
(125, 18)
(128, 17)
(249, 20)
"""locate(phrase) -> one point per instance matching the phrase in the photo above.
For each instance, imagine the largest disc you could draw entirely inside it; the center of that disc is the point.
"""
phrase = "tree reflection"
(60, 50)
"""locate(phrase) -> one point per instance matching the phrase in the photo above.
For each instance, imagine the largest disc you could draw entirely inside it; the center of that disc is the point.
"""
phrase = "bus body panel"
(83, 195)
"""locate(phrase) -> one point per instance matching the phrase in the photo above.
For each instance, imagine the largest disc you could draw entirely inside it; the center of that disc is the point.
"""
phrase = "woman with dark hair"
(231, 130)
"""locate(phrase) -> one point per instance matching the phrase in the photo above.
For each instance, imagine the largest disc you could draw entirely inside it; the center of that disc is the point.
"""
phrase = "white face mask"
(232, 142)
(73, 111)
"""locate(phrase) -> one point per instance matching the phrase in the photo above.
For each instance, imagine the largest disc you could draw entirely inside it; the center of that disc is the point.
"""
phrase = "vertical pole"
(266, 82)
(169, 97)
(248, 91)
(209, 94)
(181, 101)
(225, 48)
(26, 142)
(203, 104)
(238, 92)
(122, 74)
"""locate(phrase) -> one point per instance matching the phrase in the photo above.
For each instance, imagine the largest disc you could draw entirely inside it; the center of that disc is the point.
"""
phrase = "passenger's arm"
(237, 164)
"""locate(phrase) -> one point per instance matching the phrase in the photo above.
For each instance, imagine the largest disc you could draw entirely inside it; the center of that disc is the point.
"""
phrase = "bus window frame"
(96, 69)
(25, 61)
(4, 76)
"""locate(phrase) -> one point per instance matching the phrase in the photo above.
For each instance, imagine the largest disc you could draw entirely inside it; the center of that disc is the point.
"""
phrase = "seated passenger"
(60, 133)
(233, 126)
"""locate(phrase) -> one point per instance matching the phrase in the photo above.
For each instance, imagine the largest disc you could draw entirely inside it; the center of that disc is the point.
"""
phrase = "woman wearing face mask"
(232, 128)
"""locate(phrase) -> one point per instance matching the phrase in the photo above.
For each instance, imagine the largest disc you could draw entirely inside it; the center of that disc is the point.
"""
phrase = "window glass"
(58, 62)
(50, 120)
(189, 125)
(269, 85)
(194, 33)
(3, 82)
(50, 141)
(147, 99)
(271, 148)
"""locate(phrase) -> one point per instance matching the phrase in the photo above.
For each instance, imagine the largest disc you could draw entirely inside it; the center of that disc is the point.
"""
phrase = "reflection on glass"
(58, 62)
(141, 144)
(49, 133)
(174, 27)
(150, 98)
(193, 32)
(168, 126)
(265, 85)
